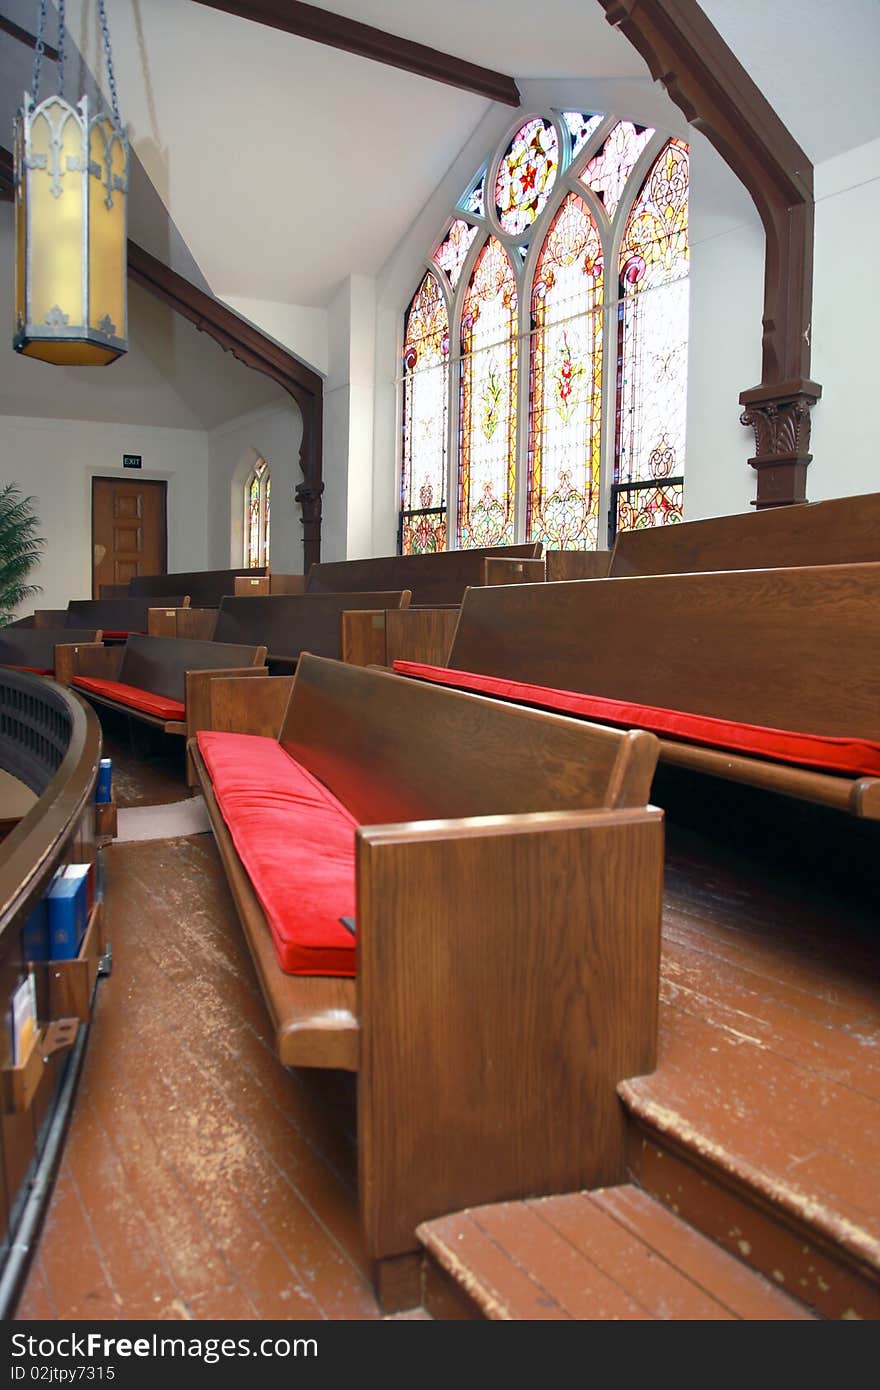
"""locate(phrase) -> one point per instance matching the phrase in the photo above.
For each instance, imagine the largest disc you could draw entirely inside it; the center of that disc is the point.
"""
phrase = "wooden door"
(128, 530)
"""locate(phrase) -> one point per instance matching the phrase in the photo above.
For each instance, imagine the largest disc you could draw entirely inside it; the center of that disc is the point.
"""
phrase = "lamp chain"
(61, 48)
(105, 35)
(39, 50)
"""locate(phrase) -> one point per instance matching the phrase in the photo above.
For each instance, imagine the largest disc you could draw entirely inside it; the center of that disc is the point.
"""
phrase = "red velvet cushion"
(108, 633)
(850, 755)
(143, 700)
(33, 670)
(296, 842)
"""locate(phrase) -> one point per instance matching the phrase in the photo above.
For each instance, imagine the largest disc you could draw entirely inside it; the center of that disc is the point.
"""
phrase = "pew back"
(117, 614)
(392, 751)
(842, 530)
(160, 664)
(432, 579)
(205, 587)
(35, 647)
(786, 648)
(287, 624)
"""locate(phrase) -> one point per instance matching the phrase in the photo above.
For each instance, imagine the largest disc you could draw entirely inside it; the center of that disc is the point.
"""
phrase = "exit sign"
(132, 461)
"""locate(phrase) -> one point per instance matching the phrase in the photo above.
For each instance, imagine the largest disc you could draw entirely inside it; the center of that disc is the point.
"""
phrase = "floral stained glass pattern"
(581, 125)
(425, 397)
(566, 394)
(608, 172)
(452, 251)
(257, 496)
(475, 201)
(653, 332)
(526, 175)
(487, 463)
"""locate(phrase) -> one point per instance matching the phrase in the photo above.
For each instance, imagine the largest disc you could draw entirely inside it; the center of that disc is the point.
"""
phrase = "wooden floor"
(200, 1180)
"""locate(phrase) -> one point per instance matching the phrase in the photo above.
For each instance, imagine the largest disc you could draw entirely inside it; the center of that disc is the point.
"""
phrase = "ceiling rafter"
(337, 31)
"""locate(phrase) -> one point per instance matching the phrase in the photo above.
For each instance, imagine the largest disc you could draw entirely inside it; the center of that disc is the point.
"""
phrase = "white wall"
(55, 460)
(349, 405)
(846, 304)
(275, 434)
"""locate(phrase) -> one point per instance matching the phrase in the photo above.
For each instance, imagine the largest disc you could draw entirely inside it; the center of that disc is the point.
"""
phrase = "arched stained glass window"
(526, 175)
(653, 334)
(452, 251)
(425, 405)
(487, 470)
(566, 394)
(608, 173)
(257, 497)
(548, 337)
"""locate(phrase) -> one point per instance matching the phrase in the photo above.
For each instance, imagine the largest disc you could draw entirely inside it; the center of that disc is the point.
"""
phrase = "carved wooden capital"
(780, 417)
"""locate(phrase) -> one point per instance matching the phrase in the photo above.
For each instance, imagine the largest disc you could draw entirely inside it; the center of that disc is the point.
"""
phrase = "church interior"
(439, 675)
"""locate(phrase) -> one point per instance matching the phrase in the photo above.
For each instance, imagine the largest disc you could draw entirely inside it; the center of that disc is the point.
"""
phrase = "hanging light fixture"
(71, 190)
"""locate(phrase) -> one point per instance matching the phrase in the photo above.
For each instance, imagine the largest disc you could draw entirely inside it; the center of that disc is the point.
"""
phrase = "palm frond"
(21, 549)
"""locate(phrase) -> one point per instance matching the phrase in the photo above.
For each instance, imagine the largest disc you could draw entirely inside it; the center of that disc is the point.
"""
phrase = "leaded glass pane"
(653, 335)
(452, 251)
(566, 394)
(527, 175)
(425, 404)
(475, 201)
(488, 402)
(253, 532)
(607, 173)
(268, 519)
(581, 125)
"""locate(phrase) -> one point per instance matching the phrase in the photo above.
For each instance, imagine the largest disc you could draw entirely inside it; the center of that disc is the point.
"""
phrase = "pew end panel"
(197, 699)
(196, 624)
(363, 635)
(577, 564)
(269, 584)
(92, 659)
(405, 634)
(162, 622)
(68, 656)
(238, 708)
(508, 980)
(503, 571)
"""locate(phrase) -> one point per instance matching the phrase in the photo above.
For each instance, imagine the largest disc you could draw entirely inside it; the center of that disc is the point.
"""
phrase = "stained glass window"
(452, 251)
(425, 405)
(526, 175)
(256, 513)
(653, 336)
(555, 353)
(487, 466)
(581, 125)
(566, 389)
(607, 173)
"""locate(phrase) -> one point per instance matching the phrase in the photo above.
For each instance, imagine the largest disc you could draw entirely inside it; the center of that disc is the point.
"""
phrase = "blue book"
(35, 934)
(68, 911)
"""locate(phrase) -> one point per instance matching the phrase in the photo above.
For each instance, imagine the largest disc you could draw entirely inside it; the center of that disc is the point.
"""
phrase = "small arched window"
(257, 500)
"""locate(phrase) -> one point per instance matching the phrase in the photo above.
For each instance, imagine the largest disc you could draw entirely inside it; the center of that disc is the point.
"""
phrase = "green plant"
(20, 550)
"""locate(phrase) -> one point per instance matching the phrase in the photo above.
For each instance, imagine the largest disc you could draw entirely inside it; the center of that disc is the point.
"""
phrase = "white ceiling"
(287, 165)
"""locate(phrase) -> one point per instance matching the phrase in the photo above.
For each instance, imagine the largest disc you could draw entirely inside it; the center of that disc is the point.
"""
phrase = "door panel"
(128, 530)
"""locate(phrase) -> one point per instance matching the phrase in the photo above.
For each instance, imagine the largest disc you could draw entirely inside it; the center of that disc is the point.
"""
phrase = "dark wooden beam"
(249, 346)
(15, 31)
(321, 26)
(687, 55)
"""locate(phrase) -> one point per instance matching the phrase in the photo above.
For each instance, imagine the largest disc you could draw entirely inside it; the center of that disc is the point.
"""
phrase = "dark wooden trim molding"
(321, 26)
(687, 55)
(249, 346)
(15, 31)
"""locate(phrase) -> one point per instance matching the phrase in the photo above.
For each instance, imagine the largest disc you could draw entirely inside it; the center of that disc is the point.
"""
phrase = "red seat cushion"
(296, 842)
(850, 755)
(131, 695)
(33, 670)
(108, 633)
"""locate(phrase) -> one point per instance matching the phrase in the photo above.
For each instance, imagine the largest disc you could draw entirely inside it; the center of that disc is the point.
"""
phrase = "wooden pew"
(115, 617)
(205, 587)
(260, 585)
(507, 875)
(577, 564)
(287, 624)
(47, 651)
(434, 580)
(787, 649)
(381, 637)
(160, 681)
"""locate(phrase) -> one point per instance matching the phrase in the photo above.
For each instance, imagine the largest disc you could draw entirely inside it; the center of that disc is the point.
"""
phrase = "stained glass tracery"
(581, 125)
(526, 175)
(487, 470)
(566, 386)
(425, 406)
(607, 173)
(257, 501)
(452, 251)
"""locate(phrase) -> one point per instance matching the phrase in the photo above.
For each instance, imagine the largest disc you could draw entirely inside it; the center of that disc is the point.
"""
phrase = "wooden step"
(615, 1253)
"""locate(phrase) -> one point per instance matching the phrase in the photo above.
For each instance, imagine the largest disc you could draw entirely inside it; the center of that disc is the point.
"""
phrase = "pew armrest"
(88, 659)
(508, 974)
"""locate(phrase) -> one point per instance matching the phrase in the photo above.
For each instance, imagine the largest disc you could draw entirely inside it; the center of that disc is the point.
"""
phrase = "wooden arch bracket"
(687, 55)
(252, 348)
